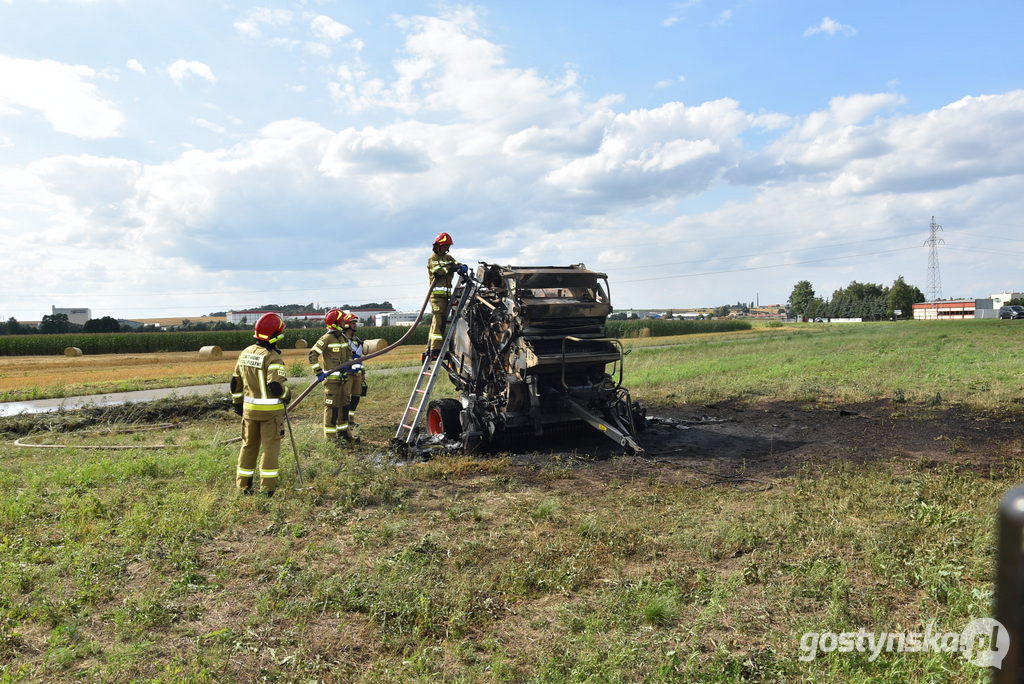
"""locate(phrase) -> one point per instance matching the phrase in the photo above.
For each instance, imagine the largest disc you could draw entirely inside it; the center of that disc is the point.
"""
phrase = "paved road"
(13, 408)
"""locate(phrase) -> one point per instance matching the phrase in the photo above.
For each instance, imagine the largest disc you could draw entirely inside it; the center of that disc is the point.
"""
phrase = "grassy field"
(144, 565)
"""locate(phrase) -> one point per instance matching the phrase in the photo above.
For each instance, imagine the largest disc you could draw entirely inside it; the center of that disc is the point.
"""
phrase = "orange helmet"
(349, 320)
(269, 328)
(334, 319)
(443, 239)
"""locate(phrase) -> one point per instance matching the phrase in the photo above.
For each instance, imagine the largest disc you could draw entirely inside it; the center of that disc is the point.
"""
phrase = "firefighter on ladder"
(440, 267)
(357, 374)
(259, 394)
(330, 351)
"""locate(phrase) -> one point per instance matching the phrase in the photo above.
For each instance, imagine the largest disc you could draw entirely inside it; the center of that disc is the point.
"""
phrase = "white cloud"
(669, 21)
(670, 150)
(208, 125)
(318, 49)
(60, 92)
(182, 69)
(136, 66)
(255, 20)
(325, 28)
(724, 17)
(99, 196)
(831, 27)
(449, 67)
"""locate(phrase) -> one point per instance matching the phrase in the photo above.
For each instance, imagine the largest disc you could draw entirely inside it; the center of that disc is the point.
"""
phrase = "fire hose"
(348, 364)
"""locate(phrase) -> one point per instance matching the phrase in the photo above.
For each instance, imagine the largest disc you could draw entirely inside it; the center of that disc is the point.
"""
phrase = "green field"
(144, 565)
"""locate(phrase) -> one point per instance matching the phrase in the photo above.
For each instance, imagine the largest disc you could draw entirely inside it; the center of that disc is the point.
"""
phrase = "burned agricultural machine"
(526, 349)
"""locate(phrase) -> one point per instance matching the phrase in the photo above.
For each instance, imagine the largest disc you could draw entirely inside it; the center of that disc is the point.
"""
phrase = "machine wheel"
(443, 418)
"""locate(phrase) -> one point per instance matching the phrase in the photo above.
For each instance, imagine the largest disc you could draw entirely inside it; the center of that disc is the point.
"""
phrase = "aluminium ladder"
(428, 372)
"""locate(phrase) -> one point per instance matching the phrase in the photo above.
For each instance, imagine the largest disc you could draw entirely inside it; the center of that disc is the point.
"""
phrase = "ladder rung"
(407, 426)
(421, 391)
(410, 408)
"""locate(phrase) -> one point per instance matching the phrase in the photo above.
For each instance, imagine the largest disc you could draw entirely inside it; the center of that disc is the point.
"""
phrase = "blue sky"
(176, 158)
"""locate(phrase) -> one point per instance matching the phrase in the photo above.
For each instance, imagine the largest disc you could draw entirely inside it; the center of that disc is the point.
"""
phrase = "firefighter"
(330, 351)
(259, 393)
(440, 267)
(357, 374)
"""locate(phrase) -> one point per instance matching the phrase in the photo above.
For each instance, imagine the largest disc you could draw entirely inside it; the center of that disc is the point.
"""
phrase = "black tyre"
(443, 418)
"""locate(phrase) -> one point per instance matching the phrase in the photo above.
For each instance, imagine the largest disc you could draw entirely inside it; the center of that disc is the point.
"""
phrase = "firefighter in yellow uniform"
(440, 267)
(259, 393)
(357, 374)
(329, 352)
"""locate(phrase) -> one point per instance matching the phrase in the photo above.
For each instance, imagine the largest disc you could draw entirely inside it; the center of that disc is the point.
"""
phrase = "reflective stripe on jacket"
(330, 351)
(259, 382)
(439, 269)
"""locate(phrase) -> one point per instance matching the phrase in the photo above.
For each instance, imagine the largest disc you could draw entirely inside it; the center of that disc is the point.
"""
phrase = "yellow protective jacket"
(440, 268)
(330, 351)
(259, 382)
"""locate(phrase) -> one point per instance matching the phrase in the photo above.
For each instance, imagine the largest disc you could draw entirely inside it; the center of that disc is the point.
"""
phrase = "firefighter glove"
(320, 376)
(237, 408)
(463, 269)
(362, 391)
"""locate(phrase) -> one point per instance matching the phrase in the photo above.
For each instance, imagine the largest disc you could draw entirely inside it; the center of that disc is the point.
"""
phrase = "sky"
(174, 158)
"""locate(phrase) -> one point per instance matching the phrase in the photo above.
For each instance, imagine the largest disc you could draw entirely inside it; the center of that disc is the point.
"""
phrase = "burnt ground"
(777, 439)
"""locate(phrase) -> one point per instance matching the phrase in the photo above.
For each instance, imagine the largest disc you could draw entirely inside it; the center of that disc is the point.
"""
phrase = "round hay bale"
(72, 351)
(374, 346)
(644, 332)
(210, 352)
(301, 343)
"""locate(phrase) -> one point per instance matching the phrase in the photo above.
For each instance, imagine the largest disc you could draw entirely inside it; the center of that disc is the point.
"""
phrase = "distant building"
(76, 316)
(954, 309)
(250, 316)
(404, 318)
(1001, 298)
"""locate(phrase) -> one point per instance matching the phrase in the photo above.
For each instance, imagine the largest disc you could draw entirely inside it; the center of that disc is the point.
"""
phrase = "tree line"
(869, 301)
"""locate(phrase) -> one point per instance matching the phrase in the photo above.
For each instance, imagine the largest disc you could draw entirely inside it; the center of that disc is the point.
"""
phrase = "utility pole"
(934, 286)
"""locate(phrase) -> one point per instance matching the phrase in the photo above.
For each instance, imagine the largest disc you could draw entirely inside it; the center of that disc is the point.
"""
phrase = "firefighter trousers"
(356, 382)
(336, 404)
(260, 432)
(439, 311)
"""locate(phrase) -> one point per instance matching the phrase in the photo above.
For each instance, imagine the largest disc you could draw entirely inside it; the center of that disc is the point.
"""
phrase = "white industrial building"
(1001, 298)
(403, 318)
(250, 316)
(76, 316)
(953, 309)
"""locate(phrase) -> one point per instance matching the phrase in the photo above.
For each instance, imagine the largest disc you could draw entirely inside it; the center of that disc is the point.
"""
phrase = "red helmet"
(443, 239)
(334, 319)
(269, 328)
(349, 320)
